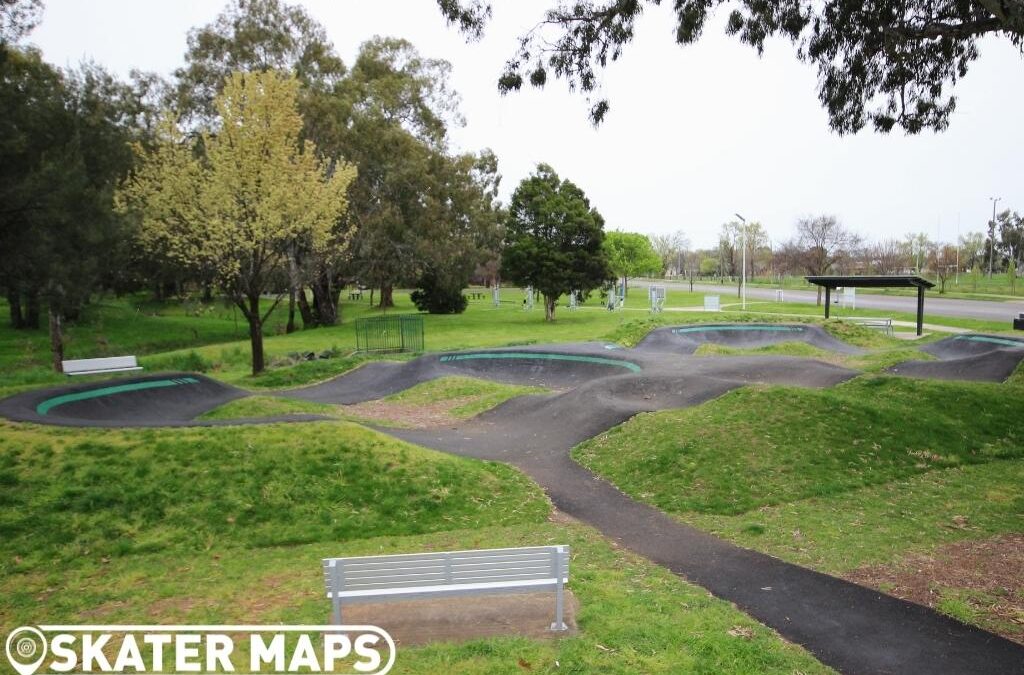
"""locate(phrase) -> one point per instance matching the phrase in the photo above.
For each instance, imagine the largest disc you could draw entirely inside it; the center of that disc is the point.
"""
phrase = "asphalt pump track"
(849, 627)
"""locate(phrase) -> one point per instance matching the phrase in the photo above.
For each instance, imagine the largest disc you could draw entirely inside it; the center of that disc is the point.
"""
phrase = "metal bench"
(883, 323)
(423, 575)
(112, 364)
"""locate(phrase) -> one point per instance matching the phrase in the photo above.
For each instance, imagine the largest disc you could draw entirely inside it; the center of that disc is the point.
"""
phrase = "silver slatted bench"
(885, 324)
(112, 364)
(423, 575)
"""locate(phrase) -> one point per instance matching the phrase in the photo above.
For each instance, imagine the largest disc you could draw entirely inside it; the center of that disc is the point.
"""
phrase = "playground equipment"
(617, 294)
(656, 294)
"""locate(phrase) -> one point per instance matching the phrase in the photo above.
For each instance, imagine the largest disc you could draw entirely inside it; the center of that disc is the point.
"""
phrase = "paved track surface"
(851, 628)
(987, 310)
(987, 358)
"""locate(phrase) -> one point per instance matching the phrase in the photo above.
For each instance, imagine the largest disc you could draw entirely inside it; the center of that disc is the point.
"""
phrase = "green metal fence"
(394, 333)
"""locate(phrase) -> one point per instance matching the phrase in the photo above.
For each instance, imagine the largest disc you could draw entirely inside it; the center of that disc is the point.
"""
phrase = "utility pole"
(992, 236)
(743, 283)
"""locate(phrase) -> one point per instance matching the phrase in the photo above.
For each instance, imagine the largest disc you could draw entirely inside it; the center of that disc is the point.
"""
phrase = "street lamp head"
(740, 217)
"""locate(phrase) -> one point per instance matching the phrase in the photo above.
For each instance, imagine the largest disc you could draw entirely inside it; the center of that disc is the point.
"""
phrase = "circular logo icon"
(26, 649)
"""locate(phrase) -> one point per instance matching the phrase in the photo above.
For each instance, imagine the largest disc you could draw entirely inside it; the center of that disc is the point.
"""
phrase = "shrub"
(438, 296)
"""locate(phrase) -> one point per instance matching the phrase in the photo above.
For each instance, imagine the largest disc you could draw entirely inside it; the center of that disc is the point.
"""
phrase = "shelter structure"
(831, 282)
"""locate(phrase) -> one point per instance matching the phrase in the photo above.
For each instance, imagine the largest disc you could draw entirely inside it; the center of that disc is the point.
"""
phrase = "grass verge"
(634, 616)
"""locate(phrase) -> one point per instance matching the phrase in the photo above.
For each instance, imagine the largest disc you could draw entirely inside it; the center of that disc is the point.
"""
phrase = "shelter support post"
(920, 309)
(828, 300)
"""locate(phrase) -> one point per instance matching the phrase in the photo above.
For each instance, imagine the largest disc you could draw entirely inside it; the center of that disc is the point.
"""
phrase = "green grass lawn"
(229, 525)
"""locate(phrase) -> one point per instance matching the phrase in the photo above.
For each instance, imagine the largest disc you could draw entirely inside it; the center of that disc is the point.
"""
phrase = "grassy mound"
(761, 446)
(73, 494)
(472, 396)
(267, 406)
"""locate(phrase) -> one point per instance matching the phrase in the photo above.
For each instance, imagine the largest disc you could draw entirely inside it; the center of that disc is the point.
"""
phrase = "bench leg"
(559, 624)
(336, 611)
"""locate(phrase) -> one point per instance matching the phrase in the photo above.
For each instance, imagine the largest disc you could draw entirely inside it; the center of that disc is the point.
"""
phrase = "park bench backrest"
(103, 365)
(448, 569)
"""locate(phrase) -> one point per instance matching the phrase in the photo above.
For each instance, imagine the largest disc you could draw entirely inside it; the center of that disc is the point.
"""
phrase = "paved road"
(967, 309)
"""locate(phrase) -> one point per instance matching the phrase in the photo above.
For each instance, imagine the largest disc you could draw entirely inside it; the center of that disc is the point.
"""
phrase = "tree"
(884, 63)
(942, 259)
(972, 248)
(630, 255)
(554, 239)
(1011, 236)
(670, 248)
(17, 19)
(822, 241)
(63, 147)
(256, 36)
(889, 256)
(242, 207)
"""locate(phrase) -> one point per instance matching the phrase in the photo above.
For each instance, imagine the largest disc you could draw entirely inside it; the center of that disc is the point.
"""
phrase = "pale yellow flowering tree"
(239, 209)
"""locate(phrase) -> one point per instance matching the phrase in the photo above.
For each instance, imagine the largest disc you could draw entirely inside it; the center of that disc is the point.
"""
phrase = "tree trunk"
(819, 296)
(549, 308)
(290, 326)
(56, 338)
(207, 293)
(308, 319)
(32, 309)
(252, 314)
(325, 300)
(293, 284)
(386, 296)
(14, 301)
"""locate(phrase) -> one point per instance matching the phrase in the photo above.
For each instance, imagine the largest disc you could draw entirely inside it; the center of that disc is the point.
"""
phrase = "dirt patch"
(419, 622)
(415, 415)
(985, 579)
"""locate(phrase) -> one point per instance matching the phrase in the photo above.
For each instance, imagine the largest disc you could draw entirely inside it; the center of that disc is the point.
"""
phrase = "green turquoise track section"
(544, 356)
(758, 327)
(993, 340)
(51, 403)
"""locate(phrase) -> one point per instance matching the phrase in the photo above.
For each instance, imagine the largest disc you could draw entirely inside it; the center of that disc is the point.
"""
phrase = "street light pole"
(992, 236)
(743, 283)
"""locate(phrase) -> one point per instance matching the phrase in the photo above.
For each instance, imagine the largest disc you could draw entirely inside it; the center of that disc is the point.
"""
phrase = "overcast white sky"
(694, 134)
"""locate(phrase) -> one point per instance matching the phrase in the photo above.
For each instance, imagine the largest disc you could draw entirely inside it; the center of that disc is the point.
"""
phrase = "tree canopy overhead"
(889, 63)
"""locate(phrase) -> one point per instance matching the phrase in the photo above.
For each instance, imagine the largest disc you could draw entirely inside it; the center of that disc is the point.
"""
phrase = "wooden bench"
(884, 323)
(112, 364)
(424, 575)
